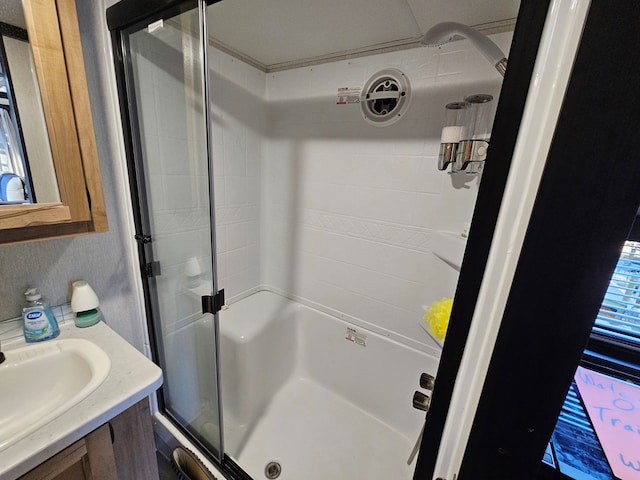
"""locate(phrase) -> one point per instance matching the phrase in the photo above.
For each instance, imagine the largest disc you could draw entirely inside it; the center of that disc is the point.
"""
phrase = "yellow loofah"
(437, 317)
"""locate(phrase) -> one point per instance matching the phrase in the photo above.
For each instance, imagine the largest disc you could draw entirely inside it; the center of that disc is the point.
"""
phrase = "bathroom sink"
(39, 382)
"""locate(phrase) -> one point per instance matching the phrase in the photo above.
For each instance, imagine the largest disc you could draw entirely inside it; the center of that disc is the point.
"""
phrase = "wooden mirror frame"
(54, 36)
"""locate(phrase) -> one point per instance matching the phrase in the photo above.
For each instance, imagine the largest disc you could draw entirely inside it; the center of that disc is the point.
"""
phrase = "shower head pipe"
(444, 32)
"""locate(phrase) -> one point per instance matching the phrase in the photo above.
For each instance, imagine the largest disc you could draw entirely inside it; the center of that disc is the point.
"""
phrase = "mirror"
(27, 174)
(57, 60)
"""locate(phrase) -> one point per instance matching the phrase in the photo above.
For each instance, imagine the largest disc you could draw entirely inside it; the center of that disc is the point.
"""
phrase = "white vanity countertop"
(132, 377)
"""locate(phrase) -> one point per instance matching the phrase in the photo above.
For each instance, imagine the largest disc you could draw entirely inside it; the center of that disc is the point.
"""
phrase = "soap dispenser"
(38, 321)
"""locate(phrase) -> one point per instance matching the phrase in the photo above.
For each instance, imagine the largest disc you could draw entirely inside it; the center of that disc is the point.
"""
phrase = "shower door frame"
(128, 15)
(509, 113)
(585, 208)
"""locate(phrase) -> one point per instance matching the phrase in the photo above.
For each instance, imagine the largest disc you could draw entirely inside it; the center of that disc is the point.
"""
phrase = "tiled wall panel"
(350, 210)
(312, 200)
(239, 120)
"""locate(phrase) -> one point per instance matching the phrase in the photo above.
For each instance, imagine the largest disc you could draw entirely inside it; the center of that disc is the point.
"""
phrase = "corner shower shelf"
(449, 247)
(425, 327)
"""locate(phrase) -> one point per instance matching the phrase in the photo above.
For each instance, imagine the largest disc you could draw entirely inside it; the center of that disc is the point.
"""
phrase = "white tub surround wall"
(350, 210)
(238, 113)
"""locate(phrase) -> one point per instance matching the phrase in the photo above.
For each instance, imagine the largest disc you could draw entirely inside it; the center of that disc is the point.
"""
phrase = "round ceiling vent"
(385, 97)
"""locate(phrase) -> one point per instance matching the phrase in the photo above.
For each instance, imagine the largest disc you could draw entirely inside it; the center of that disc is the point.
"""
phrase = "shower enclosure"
(196, 118)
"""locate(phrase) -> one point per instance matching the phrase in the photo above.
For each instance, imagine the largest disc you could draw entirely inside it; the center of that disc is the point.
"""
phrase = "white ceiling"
(277, 32)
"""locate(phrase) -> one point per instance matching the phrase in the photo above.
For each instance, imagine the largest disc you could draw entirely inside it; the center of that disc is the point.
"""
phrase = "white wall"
(238, 111)
(350, 210)
(312, 200)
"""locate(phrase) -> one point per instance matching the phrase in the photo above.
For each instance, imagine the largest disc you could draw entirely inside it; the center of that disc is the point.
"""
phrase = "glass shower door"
(164, 63)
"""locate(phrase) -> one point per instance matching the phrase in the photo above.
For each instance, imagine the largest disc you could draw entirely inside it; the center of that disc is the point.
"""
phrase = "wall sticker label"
(348, 95)
(356, 337)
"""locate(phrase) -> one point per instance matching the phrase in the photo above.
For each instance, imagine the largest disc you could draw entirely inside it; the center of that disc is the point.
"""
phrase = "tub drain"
(272, 470)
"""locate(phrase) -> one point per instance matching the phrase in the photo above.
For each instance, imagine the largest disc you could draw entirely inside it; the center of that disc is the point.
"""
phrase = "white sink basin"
(41, 381)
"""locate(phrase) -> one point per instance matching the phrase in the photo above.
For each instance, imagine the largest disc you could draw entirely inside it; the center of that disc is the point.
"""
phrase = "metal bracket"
(152, 269)
(142, 238)
(470, 151)
(213, 303)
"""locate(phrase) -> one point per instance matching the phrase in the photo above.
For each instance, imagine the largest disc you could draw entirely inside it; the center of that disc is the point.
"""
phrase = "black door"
(585, 206)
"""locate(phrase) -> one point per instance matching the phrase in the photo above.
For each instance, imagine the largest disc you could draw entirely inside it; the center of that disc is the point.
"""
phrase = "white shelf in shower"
(450, 247)
(425, 327)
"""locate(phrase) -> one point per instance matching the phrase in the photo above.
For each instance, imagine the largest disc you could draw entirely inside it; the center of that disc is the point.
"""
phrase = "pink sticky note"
(614, 409)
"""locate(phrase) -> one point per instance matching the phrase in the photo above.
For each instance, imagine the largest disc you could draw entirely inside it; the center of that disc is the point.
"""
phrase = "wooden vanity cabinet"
(89, 458)
(121, 449)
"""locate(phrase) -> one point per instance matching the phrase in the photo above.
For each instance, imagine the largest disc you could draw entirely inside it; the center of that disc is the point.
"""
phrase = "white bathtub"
(326, 399)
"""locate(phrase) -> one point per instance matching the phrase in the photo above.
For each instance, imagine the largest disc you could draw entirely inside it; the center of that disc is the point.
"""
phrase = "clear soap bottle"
(38, 321)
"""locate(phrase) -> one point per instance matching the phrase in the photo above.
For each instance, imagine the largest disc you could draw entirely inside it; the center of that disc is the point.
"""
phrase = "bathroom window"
(614, 346)
(617, 328)
(613, 350)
